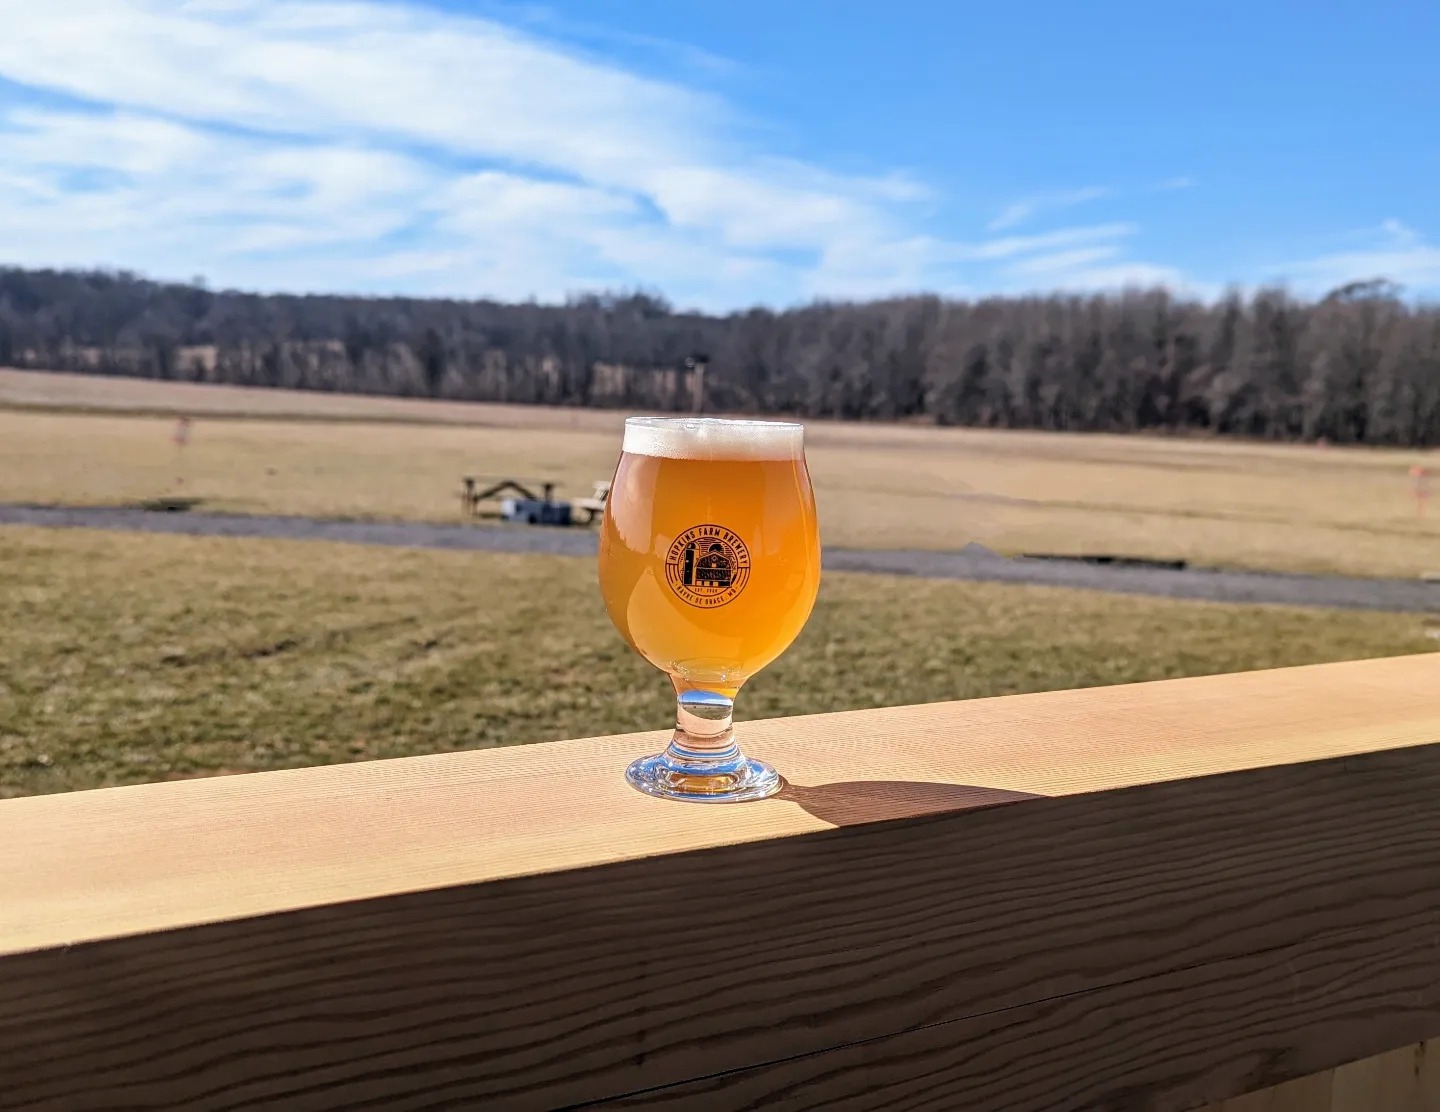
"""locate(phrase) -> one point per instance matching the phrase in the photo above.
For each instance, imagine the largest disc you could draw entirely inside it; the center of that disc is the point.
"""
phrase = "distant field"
(73, 439)
(129, 658)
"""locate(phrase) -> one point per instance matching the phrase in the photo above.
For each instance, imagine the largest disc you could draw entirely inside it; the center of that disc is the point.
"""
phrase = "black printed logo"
(707, 566)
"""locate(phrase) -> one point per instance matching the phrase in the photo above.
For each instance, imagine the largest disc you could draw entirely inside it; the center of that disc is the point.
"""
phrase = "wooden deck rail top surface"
(99, 864)
(1134, 897)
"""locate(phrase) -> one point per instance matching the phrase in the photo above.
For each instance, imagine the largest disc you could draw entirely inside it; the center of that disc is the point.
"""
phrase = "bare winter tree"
(1361, 365)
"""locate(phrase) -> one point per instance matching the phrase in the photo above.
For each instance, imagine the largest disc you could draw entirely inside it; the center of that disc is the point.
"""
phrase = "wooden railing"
(1145, 897)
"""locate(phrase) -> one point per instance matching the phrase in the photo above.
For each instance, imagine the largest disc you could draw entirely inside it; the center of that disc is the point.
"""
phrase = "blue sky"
(723, 154)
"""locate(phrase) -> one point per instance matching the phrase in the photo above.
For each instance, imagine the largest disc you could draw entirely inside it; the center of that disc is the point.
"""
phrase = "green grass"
(129, 658)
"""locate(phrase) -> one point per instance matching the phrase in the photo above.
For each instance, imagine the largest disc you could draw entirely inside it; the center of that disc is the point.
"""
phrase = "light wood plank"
(103, 864)
(1402, 1080)
(1399, 1081)
(1406, 1079)
(427, 934)
(1428, 1081)
(1305, 1094)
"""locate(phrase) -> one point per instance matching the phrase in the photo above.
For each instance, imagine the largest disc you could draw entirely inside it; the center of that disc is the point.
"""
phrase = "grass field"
(128, 658)
(73, 439)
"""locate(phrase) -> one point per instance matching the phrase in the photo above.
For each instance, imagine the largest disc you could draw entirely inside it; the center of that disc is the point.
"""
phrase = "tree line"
(1358, 366)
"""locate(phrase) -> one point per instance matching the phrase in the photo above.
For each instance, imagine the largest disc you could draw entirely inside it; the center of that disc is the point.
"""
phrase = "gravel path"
(972, 563)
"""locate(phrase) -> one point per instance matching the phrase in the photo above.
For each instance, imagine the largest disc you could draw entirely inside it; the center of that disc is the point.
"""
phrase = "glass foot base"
(732, 781)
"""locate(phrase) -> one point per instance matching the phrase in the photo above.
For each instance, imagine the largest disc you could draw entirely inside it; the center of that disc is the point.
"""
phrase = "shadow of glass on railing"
(859, 801)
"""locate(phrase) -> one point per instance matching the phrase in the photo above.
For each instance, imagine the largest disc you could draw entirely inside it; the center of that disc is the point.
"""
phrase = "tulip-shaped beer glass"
(709, 564)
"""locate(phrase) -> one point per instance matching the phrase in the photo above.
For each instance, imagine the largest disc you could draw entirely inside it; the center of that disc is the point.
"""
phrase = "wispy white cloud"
(379, 145)
(682, 56)
(1095, 268)
(1393, 251)
(1062, 262)
(1009, 246)
(1029, 208)
(1018, 212)
(1399, 233)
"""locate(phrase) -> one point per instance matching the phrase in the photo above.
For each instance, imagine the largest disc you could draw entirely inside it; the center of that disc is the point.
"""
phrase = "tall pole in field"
(696, 365)
(180, 437)
(1421, 476)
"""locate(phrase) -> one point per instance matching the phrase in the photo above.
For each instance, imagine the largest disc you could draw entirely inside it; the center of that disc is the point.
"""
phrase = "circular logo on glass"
(707, 566)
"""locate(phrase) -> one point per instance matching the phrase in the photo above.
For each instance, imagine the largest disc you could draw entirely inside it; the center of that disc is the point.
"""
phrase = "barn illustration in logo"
(707, 566)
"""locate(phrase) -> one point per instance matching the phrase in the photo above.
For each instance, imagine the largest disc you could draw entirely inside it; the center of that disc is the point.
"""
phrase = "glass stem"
(704, 728)
(702, 761)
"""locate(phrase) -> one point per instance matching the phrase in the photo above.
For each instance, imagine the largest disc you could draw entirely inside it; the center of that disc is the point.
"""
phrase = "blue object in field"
(532, 511)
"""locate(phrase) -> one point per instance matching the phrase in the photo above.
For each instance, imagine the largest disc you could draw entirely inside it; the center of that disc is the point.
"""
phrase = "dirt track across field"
(973, 563)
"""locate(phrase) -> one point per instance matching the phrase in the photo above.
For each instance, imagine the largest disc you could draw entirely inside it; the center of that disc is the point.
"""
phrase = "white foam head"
(713, 438)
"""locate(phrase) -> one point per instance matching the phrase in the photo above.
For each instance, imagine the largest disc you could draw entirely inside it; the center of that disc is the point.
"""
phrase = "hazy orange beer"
(709, 566)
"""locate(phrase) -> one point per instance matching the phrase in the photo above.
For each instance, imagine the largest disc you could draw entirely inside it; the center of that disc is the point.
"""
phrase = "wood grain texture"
(1157, 1043)
(1146, 896)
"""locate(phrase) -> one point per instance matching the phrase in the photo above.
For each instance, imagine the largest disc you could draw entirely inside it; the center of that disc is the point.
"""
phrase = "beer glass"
(709, 565)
